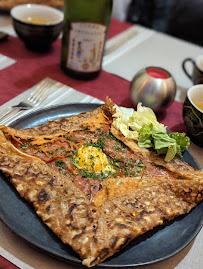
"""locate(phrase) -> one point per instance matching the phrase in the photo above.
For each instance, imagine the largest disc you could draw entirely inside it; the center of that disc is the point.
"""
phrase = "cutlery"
(38, 96)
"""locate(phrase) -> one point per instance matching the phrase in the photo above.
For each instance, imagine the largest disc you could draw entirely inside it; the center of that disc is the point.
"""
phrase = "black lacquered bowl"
(38, 26)
(193, 115)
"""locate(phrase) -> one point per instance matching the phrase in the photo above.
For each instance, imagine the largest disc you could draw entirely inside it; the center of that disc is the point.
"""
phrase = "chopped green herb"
(60, 164)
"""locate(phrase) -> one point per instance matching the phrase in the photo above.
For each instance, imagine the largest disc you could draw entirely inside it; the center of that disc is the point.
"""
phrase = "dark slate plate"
(156, 245)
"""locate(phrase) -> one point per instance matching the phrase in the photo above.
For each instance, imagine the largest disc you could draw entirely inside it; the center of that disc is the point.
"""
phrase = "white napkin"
(5, 61)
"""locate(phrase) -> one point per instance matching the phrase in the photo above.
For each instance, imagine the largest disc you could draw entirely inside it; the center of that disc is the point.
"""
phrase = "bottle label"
(86, 43)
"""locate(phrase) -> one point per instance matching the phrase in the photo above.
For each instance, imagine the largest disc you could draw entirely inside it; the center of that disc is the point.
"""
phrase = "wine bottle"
(84, 34)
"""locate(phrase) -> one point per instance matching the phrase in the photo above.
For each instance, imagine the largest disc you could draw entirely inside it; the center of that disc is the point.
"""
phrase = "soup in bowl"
(37, 25)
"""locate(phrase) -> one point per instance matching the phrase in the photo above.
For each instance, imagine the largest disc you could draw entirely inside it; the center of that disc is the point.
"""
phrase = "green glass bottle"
(85, 30)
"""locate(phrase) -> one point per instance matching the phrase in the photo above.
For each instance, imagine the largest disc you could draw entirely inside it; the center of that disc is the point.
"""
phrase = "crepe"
(123, 207)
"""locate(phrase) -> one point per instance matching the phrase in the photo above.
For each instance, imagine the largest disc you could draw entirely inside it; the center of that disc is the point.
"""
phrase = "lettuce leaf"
(182, 142)
(121, 122)
(145, 115)
(164, 144)
(142, 126)
(129, 122)
(145, 136)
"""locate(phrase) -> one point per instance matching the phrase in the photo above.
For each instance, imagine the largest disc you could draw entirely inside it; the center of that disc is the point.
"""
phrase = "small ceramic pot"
(193, 115)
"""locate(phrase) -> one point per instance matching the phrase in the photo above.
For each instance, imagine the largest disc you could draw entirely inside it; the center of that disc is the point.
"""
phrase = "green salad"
(142, 126)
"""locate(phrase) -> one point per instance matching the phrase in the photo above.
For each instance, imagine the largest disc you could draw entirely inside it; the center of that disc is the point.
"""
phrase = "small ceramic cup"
(196, 75)
(38, 26)
(193, 114)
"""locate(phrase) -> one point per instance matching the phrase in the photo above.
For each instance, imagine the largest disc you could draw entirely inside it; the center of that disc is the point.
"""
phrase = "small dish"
(38, 26)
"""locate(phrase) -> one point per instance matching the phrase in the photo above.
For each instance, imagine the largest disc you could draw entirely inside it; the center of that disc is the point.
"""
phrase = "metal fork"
(38, 96)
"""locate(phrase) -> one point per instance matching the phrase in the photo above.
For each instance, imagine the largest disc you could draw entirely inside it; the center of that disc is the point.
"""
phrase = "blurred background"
(179, 18)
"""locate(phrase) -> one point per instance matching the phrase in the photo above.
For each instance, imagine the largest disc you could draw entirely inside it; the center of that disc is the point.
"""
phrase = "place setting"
(54, 94)
(100, 142)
